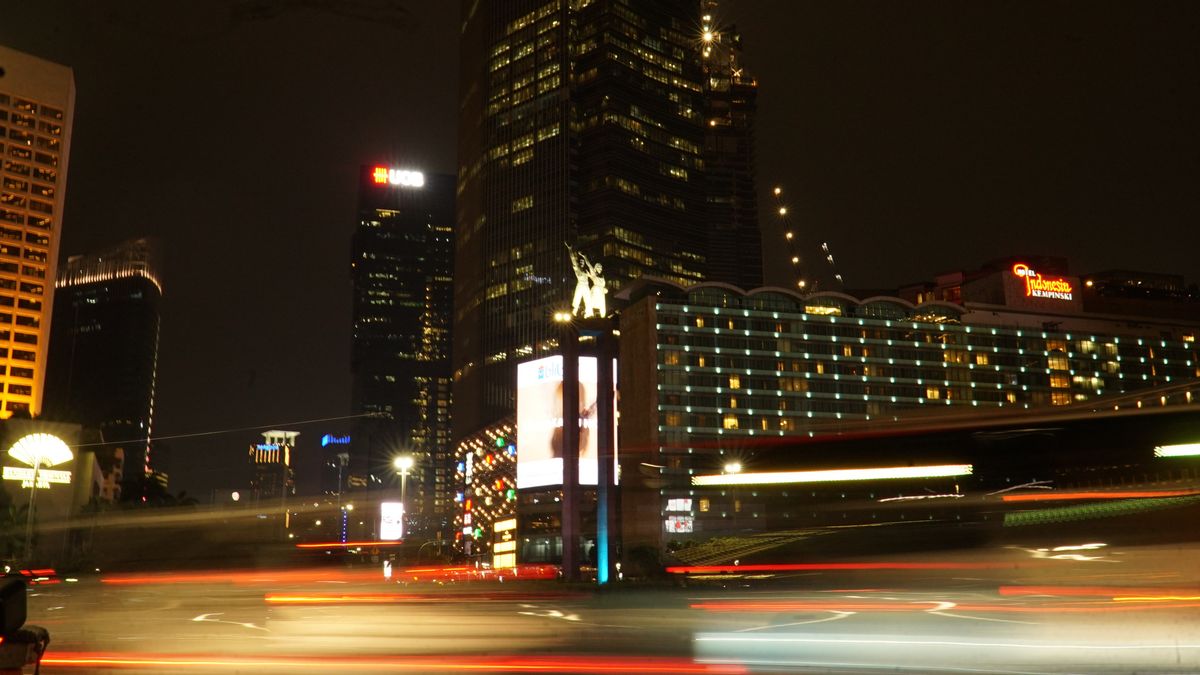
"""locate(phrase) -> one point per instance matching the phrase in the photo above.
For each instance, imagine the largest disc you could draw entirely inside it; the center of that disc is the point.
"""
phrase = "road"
(1081, 607)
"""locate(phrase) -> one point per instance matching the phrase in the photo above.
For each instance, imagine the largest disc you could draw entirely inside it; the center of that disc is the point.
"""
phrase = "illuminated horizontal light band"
(87, 277)
(1122, 494)
(349, 544)
(417, 663)
(1181, 450)
(836, 566)
(834, 475)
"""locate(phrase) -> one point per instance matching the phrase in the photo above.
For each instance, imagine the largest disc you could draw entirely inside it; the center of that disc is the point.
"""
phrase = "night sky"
(914, 137)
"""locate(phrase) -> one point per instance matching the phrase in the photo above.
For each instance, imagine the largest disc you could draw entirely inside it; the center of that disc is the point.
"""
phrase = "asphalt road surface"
(1081, 607)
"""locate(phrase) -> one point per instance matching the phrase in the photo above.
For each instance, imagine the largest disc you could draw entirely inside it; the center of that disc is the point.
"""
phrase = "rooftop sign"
(1037, 286)
(382, 175)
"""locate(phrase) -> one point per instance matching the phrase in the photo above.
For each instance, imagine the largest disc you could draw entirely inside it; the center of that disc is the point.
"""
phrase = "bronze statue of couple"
(589, 286)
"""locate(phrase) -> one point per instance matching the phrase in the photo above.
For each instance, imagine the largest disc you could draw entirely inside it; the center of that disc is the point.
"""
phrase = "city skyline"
(1053, 166)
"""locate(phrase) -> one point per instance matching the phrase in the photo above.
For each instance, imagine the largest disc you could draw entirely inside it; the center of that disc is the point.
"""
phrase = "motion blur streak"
(390, 598)
(785, 606)
(935, 643)
(341, 599)
(1065, 496)
(1099, 591)
(247, 577)
(807, 567)
(325, 574)
(1159, 598)
(348, 544)
(422, 664)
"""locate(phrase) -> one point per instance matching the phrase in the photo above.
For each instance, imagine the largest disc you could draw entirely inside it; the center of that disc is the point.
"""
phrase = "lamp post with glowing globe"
(403, 464)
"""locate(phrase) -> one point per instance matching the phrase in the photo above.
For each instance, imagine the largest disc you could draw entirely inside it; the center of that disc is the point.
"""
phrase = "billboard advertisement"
(391, 521)
(540, 424)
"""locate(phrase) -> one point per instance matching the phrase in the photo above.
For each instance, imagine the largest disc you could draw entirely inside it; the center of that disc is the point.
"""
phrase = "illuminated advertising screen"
(391, 521)
(540, 424)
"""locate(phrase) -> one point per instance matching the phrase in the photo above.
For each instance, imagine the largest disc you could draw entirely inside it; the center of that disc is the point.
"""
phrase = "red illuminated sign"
(382, 175)
(1037, 286)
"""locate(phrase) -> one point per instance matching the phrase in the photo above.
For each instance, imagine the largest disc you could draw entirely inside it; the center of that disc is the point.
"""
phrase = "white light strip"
(1183, 450)
(833, 475)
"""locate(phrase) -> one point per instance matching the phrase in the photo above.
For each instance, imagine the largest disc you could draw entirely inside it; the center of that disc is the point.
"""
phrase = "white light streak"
(1182, 450)
(835, 475)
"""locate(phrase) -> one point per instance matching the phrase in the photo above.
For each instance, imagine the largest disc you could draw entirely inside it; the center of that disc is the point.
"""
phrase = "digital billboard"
(391, 521)
(540, 424)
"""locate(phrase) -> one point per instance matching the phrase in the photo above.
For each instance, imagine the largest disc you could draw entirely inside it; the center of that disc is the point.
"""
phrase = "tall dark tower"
(581, 123)
(402, 270)
(735, 253)
(104, 349)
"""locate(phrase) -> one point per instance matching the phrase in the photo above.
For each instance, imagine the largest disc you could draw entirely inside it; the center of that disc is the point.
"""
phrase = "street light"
(734, 467)
(403, 464)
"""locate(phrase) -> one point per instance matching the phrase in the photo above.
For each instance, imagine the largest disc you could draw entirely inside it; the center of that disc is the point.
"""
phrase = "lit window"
(933, 393)
(522, 204)
(735, 381)
(730, 421)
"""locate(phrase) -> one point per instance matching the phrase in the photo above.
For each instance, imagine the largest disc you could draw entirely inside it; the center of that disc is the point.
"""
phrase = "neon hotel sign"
(381, 175)
(1037, 286)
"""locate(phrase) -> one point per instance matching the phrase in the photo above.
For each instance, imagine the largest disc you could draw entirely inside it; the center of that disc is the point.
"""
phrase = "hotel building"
(37, 100)
(725, 370)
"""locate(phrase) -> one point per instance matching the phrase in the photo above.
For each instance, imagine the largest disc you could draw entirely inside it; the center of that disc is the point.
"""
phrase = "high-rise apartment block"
(37, 99)
(103, 361)
(402, 275)
(592, 124)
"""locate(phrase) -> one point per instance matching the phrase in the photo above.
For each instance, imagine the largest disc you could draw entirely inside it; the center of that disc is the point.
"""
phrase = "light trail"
(397, 598)
(397, 664)
(827, 606)
(826, 567)
(1112, 592)
(1128, 494)
(348, 544)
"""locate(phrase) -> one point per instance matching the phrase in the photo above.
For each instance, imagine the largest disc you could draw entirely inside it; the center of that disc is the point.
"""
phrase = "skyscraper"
(734, 240)
(583, 123)
(402, 267)
(104, 348)
(37, 101)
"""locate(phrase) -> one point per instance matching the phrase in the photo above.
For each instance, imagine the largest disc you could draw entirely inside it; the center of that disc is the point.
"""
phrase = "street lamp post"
(403, 464)
(731, 468)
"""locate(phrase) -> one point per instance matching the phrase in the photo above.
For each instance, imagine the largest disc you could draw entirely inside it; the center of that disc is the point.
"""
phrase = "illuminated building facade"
(273, 478)
(104, 349)
(37, 101)
(485, 482)
(581, 123)
(401, 267)
(726, 369)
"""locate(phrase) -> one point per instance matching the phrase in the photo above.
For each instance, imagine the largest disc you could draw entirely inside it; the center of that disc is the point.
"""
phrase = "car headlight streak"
(835, 475)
